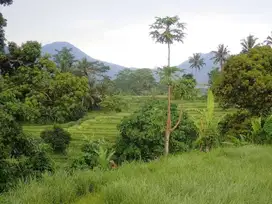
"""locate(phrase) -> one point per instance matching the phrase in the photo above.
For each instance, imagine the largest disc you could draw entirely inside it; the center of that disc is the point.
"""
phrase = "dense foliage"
(58, 138)
(142, 133)
(95, 153)
(247, 81)
(136, 82)
(185, 88)
(113, 103)
(33, 89)
(19, 156)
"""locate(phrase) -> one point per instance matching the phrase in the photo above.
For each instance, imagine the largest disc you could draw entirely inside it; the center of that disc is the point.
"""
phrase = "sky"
(117, 31)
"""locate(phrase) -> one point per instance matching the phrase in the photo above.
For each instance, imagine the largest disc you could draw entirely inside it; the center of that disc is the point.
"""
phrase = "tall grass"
(223, 176)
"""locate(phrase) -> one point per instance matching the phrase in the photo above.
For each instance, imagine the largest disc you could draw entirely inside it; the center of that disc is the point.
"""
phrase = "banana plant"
(206, 125)
(104, 157)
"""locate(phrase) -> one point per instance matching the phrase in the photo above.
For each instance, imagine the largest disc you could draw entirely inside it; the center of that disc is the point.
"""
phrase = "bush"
(58, 138)
(92, 155)
(236, 124)
(19, 157)
(261, 132)
(242, 126)
(142, 133)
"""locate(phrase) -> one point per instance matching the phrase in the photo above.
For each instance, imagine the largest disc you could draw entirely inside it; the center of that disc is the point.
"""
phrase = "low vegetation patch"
(228, 175)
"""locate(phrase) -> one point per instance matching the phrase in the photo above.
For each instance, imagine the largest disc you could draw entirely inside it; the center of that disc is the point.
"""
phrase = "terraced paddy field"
(98, 125)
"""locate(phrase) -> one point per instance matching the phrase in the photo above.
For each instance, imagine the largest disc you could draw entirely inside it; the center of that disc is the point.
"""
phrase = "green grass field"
(97, 125)
(223, 176)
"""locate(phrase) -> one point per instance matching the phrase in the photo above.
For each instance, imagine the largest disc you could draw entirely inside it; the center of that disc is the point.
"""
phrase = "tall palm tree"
(269, 40)
(94, 71)
(248, 43)
(196, 61)
(220, 55)
(168, 30)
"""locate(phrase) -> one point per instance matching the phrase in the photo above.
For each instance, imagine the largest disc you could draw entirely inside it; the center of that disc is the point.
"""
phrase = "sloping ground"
(224, 176)
(98, 125)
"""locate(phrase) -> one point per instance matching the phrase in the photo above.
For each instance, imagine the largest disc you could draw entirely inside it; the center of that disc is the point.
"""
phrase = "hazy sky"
(118, 30)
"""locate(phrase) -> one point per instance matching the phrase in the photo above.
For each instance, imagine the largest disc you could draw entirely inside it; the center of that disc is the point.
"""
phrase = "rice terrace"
(75, 129)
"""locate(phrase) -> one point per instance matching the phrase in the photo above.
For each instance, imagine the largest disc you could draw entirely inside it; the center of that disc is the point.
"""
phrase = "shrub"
(261, 130)
(235, 125)
(96, 153)
(58, 138)
(142, 133)
(19, 157)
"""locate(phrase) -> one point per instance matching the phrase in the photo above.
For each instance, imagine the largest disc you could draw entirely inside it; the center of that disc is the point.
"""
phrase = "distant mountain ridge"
(79, 54)
(201, 76)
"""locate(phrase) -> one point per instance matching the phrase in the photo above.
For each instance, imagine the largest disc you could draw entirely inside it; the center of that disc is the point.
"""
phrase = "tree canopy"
(247, 81)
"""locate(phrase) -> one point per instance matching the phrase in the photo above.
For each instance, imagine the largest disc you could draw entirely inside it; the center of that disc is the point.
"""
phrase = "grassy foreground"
(228, 175)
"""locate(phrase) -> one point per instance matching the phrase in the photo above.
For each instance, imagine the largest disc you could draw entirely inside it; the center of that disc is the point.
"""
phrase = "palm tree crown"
(249, 43)
(196, 61)
(220, 55)
(269, 40)
(167, 30)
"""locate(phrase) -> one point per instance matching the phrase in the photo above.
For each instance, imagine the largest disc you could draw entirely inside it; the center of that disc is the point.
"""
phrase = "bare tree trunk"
(168, 55)
(221, 65)
(168, 123)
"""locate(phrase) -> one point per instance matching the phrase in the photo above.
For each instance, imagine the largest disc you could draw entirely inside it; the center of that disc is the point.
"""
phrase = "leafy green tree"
(3, 23)
(213, 76)
(196, 61)
(58, 138)
(142, 81)
(113, 103)
(248, 43)
(185, 88)
(138, 82)
(19, 156)
(95, 73)
(25, 55)
(168, 30)
(141, 133)
(247, 81)
(34, 90)
(64, 59)
(221, 55)
(123, 80)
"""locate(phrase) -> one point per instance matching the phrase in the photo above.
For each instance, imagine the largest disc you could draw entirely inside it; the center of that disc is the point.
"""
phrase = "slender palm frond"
(248, 43)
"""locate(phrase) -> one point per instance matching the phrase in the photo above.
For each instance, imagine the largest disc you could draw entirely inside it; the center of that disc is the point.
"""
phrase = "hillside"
(229, 175)
(202, 75)
(79, 54)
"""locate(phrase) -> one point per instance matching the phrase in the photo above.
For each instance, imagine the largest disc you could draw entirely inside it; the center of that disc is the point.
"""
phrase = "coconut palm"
(168, 30)
(220, 55)
(248, 43)
(269, 40)
(95, 72)
(196, 61)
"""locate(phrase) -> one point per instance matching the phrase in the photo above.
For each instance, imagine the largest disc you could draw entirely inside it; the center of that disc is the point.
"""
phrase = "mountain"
(79, 54)
(201, 75)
